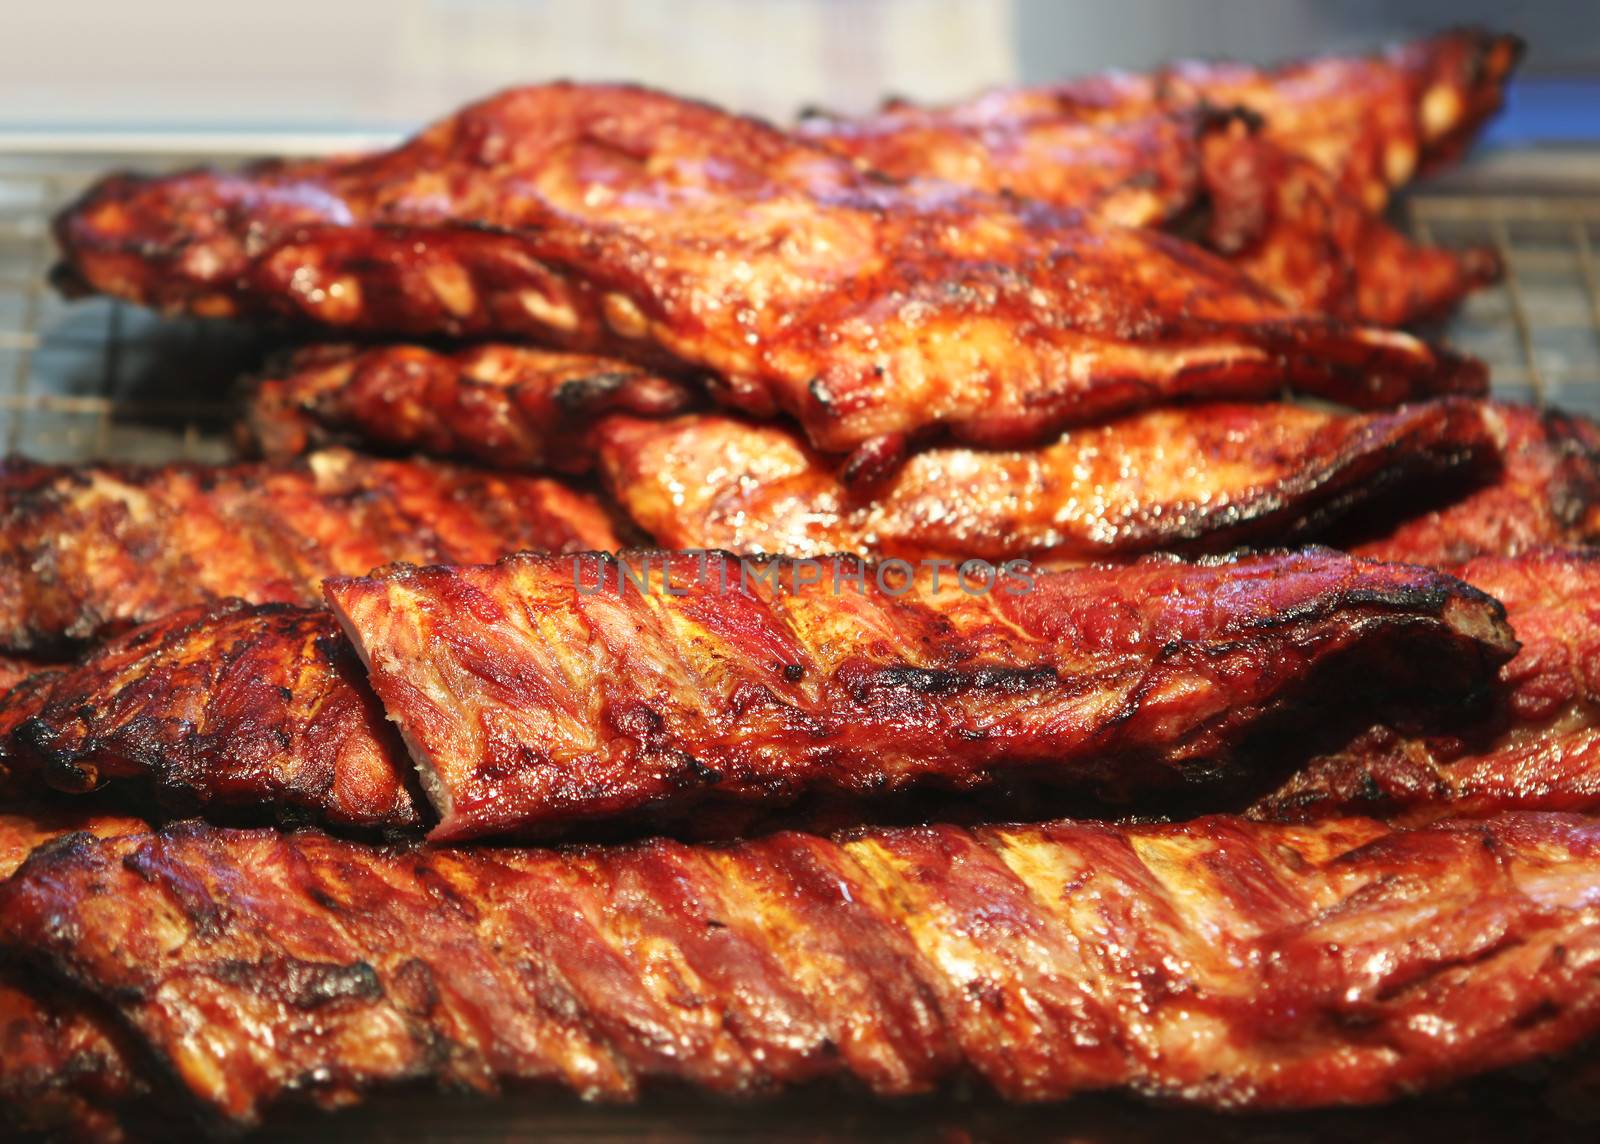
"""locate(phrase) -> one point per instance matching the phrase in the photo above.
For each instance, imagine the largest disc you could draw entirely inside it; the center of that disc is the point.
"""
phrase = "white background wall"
(384, 64)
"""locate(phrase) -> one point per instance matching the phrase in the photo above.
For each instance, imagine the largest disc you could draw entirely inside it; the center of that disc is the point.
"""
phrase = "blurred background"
(366, 67)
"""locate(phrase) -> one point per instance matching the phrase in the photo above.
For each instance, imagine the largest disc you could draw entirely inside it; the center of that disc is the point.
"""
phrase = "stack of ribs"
(863, 604)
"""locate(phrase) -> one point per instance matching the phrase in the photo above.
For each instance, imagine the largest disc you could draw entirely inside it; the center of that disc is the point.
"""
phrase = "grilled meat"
(1413, 781)
(61, 1069)
(1131, 164)
(1129, 145)
(1204, 477)
(1292, 190)
(17, 703)
(543, 690)
(507, 406)
(649, 704)
(1296, 207)
(91, 548)
(25, 827)
(621, 220)
(226, 708)
(16, 668)
(1282, 220)
(1542, 751)
(1547, 493)
(1373, 122)
(1219, 962)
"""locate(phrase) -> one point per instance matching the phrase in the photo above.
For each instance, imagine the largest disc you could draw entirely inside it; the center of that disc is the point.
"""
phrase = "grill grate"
(97, 378)
(1539, 330)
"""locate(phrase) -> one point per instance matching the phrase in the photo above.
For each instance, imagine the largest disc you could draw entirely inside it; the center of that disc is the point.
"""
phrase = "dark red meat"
(544, 690)
(88, 549)
(1221, 963)
(625, 221)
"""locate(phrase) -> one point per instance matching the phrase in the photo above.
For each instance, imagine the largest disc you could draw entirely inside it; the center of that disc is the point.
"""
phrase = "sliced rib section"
(249, 710)
(95, 547)
(538, 691)
(1204, 477)
(508, 406)
(1219, 962)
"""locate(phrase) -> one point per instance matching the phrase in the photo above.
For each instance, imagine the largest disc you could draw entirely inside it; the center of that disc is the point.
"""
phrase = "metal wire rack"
(99, 378)
(1539, 330)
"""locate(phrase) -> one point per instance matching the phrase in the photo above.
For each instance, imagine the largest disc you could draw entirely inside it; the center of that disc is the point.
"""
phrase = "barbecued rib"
(1128, 144)
(17, 703)
(666, 231)
(98, 546)
(227, 708)
(26, 826)
(16, 668)
(1295, 210)
(63, 1070)
(1547, 494)
(508, 406)
(1283, 220)
(544, 690)
(1218, 962)
(1130, 165)
(1372, 121)
(1204, 477)
(1542, 751)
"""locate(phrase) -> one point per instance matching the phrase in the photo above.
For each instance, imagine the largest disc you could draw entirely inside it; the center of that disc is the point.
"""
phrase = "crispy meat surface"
(1289, 189)
(1129, 145)
(543, 690)
(1546, 494)
(1541, 751)
(16, 668)
(24, 827)
(62, 1070)
(508, 406)
(1132, 164)
(621, 220)
(1286, 223)
(226, 708)
(1205, 477)
(91, 548)
(1218, 962)
(1373, 121)
(17, 703)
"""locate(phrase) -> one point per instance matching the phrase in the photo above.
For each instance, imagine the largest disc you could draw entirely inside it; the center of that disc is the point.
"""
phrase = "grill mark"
(1531, 746)
(1095, 678)
(1217, 962)
(264, 532)
(193, 710)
